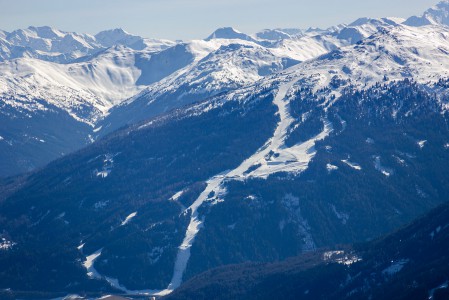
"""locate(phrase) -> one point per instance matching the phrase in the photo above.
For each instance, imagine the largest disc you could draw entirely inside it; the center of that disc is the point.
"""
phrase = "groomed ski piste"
(273, 157)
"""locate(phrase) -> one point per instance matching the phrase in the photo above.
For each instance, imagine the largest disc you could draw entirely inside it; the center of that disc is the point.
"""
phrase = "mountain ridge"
(234, 150)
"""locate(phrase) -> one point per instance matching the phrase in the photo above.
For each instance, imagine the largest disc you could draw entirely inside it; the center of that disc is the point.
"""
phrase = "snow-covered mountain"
(115, 78)
(118, 36)
(229, 33)
(96, 76)
(274, 34)
(209, 68)
(231, 149)
(54, 45)
(395, 53)
(437, 15)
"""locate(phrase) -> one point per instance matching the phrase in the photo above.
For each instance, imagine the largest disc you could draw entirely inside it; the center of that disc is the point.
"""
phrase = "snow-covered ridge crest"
(392, 54)
(228, 60)
(96, 85)
(436, 15)
(60, 46)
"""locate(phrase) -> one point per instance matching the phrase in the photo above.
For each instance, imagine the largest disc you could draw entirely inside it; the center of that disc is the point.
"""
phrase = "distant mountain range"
(96, 84)
(139, 164)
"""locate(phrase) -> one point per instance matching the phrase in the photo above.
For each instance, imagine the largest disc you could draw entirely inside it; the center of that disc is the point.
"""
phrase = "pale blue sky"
(188, 19)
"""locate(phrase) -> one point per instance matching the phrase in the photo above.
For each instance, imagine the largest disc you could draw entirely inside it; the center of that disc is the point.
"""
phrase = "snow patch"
(89, 265)
(176, 196)
(330, 168)
(128, 218)
(103, 174)
(6, 244)
(108, 164)
(421, 144)
(378, 166)
(352, 165)
(330, 254)
(348, 260)
(395, 267)
(80, 247)
(340, 257)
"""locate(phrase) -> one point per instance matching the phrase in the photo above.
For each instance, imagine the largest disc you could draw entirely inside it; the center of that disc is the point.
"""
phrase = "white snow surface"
(89, 265)
(352, 164)
(129, 218)
(422, 143)
(341, 257)
(330, 168)
(6, 244)
(438, 14)
(218, 64)
(397, 52)
(98, 84)
(328, 255)
(109, 78)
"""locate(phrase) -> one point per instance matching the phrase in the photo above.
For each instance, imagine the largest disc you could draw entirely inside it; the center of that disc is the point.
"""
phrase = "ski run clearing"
(293, 160)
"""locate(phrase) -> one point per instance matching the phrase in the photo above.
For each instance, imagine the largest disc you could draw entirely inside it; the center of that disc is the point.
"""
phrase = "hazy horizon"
(195, 19)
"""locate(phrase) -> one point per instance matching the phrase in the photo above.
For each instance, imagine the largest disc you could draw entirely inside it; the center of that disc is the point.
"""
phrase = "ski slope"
(294, 159)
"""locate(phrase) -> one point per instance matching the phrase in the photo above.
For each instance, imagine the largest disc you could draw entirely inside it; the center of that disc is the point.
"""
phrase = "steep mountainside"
(231, 65)
(326, 175)
(43, 94)
(48, 74)
(231, 152)
(234, 62)
(411, 263)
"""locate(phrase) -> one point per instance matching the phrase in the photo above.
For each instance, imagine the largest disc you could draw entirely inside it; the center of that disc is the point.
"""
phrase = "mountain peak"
(228, 33)
(46, 32)
(116, 36)
(272, 35)
(114, 31)
(438, 14)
